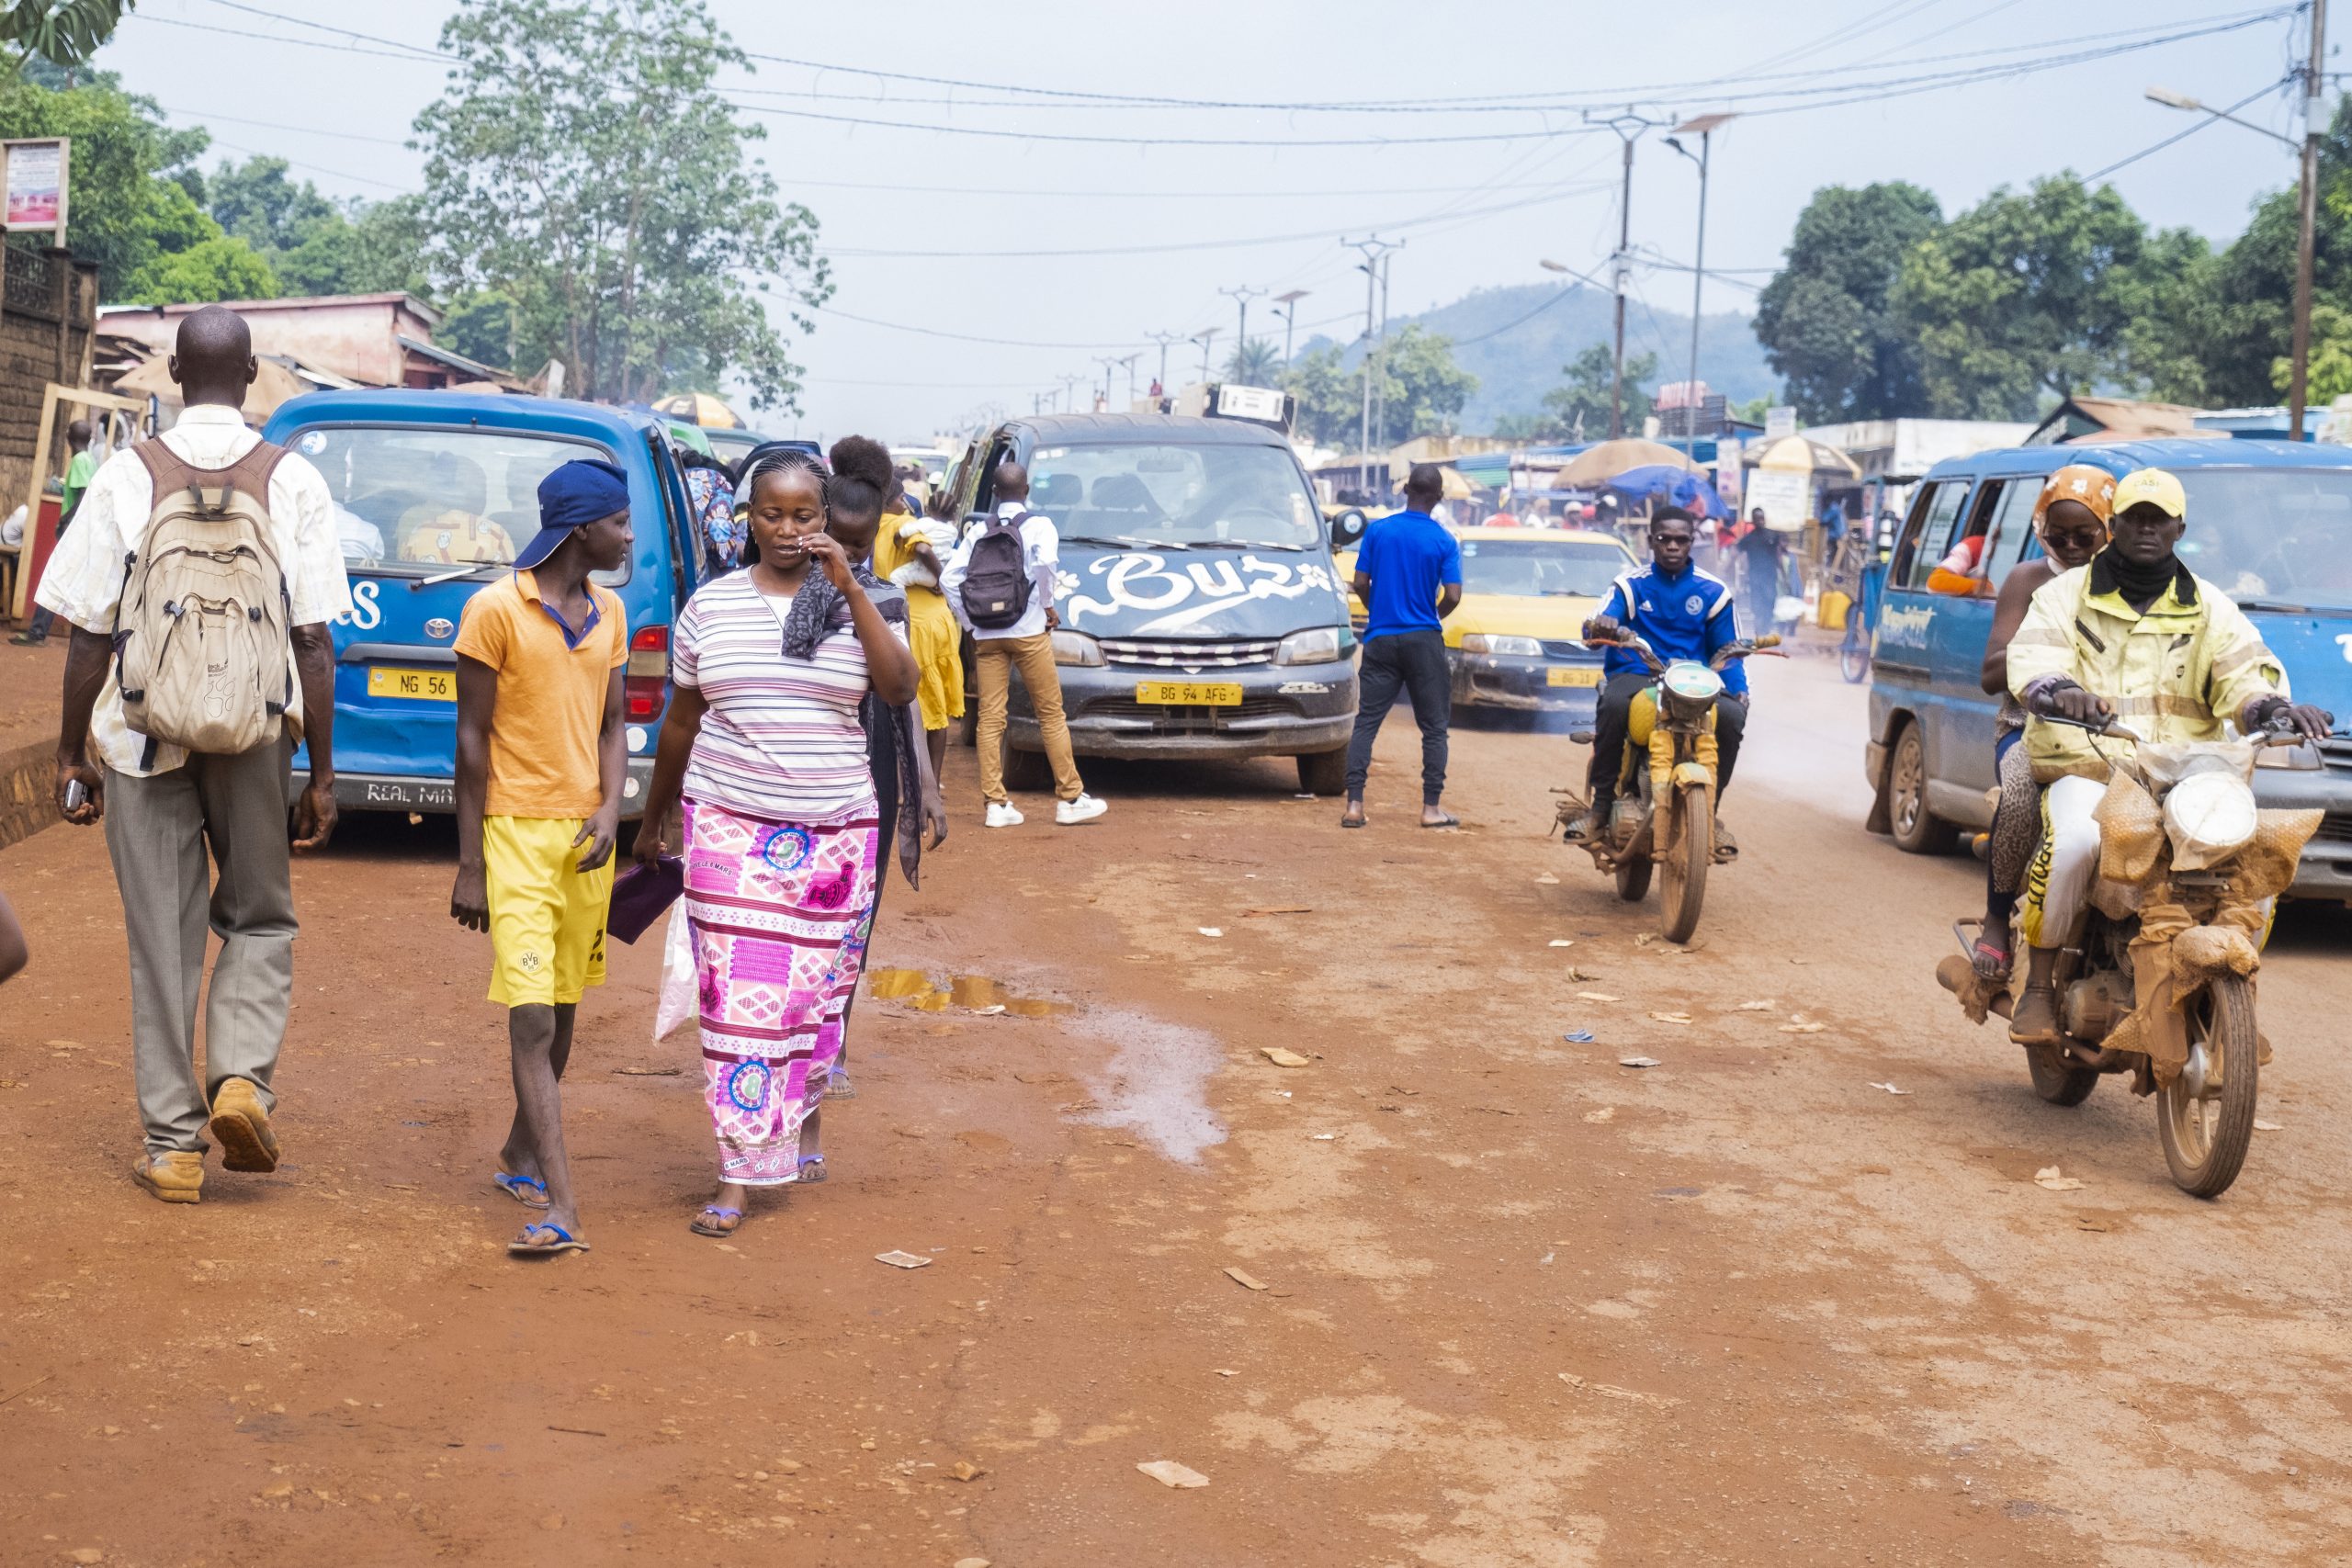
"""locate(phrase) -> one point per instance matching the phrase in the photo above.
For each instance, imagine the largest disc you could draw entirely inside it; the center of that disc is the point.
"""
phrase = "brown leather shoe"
(175, 1176)
(242, 1128)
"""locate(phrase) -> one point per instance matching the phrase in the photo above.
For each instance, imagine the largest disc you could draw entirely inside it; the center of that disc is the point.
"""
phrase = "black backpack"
(996, 578)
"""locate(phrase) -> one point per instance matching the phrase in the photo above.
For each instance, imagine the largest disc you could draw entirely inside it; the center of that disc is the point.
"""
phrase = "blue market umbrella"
(1668, 487)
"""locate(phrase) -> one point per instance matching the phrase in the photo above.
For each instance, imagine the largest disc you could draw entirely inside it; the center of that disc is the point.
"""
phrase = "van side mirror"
(1347, 528)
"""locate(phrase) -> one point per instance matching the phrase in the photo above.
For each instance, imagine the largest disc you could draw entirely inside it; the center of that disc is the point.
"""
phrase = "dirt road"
(1521, 1308)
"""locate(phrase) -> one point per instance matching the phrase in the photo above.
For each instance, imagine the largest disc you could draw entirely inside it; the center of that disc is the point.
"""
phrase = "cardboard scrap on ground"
(897, 1260)
(2261, 1126)
(1282, 1058)
(1279, 910)
(1602, 996)
(2048, 1176)
(1670, 1017)
(1244, 1279)
(1639, 1062)
(1212, 930)
(1168, 1472)
(964, 1470)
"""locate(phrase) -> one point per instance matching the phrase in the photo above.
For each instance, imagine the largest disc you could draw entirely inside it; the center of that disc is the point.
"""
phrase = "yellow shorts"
(936, 643)
(547, 917)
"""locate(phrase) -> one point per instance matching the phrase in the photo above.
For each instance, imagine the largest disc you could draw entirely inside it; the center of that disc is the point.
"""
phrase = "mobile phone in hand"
(77, 794)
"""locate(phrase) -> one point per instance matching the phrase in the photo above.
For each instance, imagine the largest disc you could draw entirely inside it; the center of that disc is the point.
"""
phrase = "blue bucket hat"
(573, 496)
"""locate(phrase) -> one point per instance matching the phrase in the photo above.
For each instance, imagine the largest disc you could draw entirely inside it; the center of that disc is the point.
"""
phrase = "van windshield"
(1168, 497)
(415, 502)
(2271, 537)
(1539, 567)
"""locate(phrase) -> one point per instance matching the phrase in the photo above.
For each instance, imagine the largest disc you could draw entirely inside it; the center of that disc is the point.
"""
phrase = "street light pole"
(1370, 249)
(1130, 363)
(1204, 339)
(1289, 302)
(2297, 384)
(1163, 340)
(1629, 127)
(2314, 124)
(1706, 125)
(1241, 297)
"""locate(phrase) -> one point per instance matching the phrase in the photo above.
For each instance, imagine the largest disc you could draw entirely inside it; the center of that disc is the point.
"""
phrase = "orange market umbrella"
(701, 408)
(1599, 464)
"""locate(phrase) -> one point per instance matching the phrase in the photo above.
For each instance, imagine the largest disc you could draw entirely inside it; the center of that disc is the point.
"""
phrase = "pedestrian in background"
(164, 806)
(1409, 575)
(1759, 566)
(906, 552)
(763, 745)
(79, 470)
(541, 755)
(1024, 642)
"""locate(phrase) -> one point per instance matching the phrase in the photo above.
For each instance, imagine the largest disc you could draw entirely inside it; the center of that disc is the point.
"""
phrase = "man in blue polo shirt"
(1409, 574)
(1682, 613)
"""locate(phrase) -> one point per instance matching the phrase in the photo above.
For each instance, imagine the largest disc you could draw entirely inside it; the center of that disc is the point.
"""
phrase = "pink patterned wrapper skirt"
(780, 913)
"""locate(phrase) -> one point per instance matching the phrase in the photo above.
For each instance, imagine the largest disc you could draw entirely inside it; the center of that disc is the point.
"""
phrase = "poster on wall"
(35, 185)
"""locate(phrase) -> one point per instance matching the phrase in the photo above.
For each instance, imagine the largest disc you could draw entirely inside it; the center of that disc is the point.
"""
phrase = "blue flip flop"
(520, 1188)
(700, 1229)
(811, 1168)
(523, 1246)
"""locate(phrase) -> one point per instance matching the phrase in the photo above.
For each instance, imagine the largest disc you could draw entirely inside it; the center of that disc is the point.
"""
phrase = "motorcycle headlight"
(1076, 648)
(1321, 645)
(1518, 646)
(2208, 816)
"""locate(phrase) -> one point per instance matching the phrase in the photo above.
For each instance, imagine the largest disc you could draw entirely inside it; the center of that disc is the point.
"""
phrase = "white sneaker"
(1085, 808)
(1001, 814)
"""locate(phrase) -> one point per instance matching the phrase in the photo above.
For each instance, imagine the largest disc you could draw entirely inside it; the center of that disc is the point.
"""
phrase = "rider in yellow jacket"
(2135, 637)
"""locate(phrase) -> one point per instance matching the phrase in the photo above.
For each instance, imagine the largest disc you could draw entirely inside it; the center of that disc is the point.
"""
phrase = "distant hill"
(1519, 364)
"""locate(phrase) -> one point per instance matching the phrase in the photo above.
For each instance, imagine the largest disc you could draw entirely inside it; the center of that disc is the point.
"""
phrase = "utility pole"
(1108, 365)
(2314, 123)
(1380, 411)
(1069, 392)
(1370, 249)
(1204, 339)
(1706, 125)
(1289, 302)
(1163, 340)
(1241, 298)
(1130, 363)
(1629, 127)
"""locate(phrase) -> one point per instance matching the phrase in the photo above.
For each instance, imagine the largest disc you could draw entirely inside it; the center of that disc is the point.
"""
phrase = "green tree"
(1425, 388)
(259, 203)
(223, 268)
(316, 245)
(2026, 296)
(1827, 320)
(1253, 363)
(63, 32)
(1578, 408)
(582, 163)
(480, 326)
(1329, 397)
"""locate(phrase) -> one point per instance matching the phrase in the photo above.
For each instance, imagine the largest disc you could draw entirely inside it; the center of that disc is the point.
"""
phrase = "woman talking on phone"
(764, 748)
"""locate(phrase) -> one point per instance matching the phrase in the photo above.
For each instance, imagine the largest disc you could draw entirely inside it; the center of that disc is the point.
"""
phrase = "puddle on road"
(1155, 1082)
(916, 989)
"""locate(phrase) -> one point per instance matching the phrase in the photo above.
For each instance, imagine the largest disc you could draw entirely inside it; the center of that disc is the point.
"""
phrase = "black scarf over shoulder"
(2112, 572)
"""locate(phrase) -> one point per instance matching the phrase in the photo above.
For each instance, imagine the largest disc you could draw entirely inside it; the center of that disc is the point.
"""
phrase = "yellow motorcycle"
(1664, 818)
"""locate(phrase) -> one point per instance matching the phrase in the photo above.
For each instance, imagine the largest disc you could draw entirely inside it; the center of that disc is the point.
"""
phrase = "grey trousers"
(157, 831)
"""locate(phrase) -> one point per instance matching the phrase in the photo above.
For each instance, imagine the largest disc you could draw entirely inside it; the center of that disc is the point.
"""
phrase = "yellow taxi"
(1514, 642)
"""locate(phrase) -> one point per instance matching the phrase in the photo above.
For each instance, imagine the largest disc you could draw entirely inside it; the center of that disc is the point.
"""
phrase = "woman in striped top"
(763, 745)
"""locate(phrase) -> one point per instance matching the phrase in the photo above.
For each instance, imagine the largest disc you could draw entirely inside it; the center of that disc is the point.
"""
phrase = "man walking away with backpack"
(187, 742)
(1409, 574)
(1000, 582)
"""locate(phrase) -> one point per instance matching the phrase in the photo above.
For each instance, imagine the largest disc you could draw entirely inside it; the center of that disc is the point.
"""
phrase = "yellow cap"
(2150, 487)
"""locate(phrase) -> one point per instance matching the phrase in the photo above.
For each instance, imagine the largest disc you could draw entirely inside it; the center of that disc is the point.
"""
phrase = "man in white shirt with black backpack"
(1007, 604)
(164, 803)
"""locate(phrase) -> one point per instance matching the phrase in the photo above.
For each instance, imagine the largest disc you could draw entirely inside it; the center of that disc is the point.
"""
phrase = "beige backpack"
(201, 651)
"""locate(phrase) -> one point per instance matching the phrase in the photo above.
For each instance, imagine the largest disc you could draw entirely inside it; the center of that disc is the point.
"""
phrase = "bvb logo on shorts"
(529, 960)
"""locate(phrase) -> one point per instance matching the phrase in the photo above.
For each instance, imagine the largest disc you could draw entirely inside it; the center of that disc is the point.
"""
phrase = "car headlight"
(1321, 645)
(1519, 646)
(1076, 648)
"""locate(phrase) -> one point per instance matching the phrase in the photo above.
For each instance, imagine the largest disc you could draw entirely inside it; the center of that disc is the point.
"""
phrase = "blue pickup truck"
(2269, 522)
(434, 492)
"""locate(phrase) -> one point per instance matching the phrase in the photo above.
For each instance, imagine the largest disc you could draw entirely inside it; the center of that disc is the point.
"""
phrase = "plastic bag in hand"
(681, 988)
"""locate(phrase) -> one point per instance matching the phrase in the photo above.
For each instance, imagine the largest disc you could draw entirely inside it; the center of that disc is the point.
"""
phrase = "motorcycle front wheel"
(1634, 876)
(1854, 662)
(1686, 863)
(2206, 1136)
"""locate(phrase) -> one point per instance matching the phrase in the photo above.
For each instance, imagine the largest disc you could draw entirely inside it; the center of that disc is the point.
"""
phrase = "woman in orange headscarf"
(2070, 518)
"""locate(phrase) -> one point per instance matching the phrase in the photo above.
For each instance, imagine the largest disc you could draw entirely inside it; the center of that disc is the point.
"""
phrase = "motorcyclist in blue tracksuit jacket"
(1682, 613)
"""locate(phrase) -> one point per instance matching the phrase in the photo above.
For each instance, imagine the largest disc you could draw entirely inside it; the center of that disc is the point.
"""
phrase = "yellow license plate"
(1572, 675)
(424, 686)
(1190, 693)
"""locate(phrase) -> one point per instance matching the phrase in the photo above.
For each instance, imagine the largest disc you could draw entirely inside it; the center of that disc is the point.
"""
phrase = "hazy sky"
(1191, 219)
